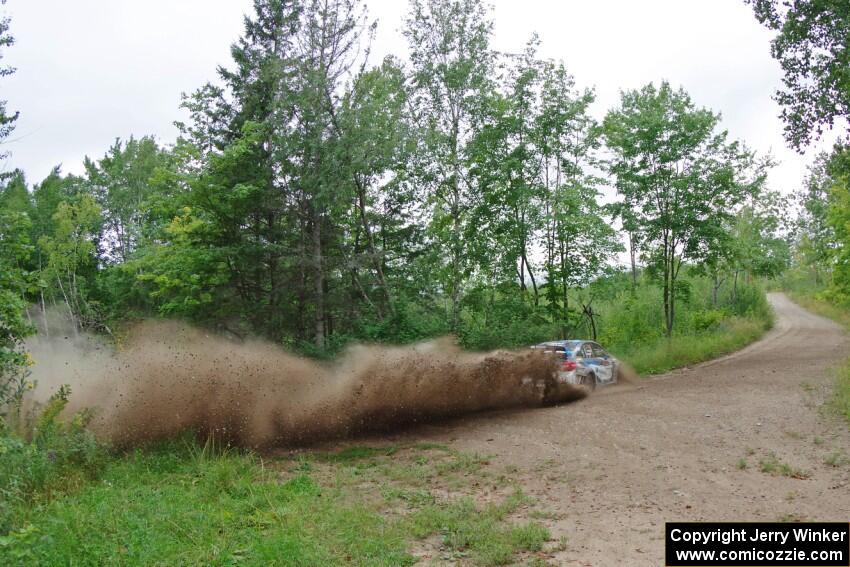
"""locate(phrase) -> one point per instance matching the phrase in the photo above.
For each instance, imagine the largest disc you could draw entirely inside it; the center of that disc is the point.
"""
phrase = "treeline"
(812, 46)
(822, 247)
(315, 198)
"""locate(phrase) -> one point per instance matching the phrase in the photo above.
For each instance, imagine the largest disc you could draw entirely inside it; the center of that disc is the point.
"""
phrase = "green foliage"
(506, 321)
(681, 181)
(69, 254)
(322, 204)
(530, 162)
(125, 186)
(707, 320)
(816, 238)
(821, 260)
(838, 217)
(16, 280)
(15, 250)
(813, 47)
(14, 361)
(59, 458)
(7, 119)
(182, 276)
(683, 350)
(452, 76)
(759, 244)
(631, 324)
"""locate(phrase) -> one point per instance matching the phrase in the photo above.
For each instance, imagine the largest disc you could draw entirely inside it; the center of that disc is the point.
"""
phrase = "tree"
(759, 237)
(530, 163)
(15, 250)
(70, 252)
(578, 240)
(506, 194)
(16, 280)
(121, 183)
(816, 237)
(813, 47)
(681, 179)
(452, 69)
(375, 143)
(278, 173)
(838, 217)
(7, 119)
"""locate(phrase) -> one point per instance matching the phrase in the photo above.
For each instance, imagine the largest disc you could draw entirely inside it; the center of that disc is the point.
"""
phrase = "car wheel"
(588, 381)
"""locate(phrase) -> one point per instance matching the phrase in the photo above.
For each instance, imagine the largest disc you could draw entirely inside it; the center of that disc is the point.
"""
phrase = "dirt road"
(686, 446)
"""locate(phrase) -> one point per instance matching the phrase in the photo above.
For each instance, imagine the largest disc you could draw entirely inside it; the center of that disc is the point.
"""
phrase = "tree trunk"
(714, 290)
(666, 308)
(591, 316)
(377, 259)
(44, 315)
(533, 281)
(668, 288)
(735, 288)
(318, 280)
(68, 305)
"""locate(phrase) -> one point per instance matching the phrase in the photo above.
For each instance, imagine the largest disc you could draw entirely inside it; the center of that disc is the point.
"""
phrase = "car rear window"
(558, 351)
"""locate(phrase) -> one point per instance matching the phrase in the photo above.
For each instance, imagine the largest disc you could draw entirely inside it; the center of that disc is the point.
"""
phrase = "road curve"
(613, 468)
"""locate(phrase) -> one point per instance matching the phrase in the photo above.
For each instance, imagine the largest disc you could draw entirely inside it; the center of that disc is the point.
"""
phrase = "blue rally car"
(583, 363)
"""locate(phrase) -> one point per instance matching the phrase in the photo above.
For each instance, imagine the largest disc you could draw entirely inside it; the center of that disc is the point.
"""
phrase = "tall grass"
(663, 355)
(632, 327)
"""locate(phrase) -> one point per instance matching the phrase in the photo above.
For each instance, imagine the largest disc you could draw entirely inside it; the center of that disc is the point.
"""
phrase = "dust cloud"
(167, 377)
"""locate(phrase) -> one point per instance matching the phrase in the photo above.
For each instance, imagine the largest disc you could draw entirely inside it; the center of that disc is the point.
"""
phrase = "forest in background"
(315, 198)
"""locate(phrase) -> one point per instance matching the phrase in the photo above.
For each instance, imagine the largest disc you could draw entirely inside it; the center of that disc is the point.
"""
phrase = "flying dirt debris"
(168, 377)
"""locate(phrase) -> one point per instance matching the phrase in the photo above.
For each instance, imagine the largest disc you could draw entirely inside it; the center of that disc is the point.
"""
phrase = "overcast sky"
(90, 71)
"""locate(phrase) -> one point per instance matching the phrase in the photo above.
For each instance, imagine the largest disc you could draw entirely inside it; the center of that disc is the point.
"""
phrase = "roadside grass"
(841, 398)
(178, 503)
(773, 466)
(837, 459)
(664, 355)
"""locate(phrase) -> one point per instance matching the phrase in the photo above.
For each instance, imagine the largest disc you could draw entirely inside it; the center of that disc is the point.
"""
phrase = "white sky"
(93, 70)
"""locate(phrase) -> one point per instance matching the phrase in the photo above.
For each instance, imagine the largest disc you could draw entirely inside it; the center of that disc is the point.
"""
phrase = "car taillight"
(569, 365)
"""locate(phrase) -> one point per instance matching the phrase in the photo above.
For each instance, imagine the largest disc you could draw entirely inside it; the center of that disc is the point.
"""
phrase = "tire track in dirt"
(613, 468)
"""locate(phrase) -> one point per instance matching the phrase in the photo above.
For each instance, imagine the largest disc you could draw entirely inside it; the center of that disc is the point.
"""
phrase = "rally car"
(583, 363)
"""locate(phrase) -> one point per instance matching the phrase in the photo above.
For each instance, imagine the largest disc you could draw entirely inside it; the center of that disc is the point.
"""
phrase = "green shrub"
(506, 321)
(708, 319)
(14, 360)
(664, 355)
(59, 457)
